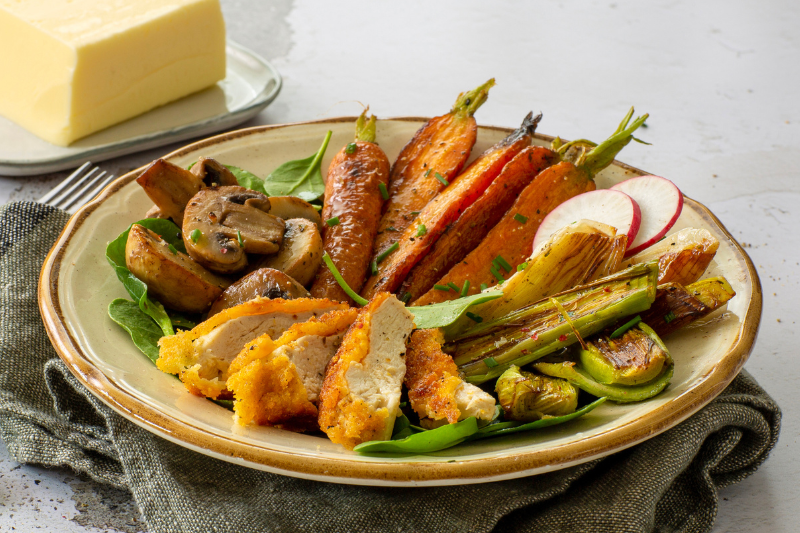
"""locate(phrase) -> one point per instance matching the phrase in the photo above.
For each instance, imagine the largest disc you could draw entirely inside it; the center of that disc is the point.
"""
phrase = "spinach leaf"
(143, 331)
(247, 179)
(181, 321)
(115, 254)
(446, 313)
(505, 428)
(426, 441)
(301, 177)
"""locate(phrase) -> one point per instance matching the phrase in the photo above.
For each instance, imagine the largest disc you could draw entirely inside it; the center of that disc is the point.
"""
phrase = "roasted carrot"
(511, 239)
(445, 209)
(352, 210)
(433, 157)
(473, 225)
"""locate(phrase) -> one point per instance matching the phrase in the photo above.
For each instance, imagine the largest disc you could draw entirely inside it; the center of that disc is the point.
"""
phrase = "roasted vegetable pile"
(413, 305)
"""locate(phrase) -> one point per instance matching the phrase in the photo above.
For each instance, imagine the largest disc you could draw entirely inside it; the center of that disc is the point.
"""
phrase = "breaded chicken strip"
(360, 397)
(201, 356)
(277, 383)
(435, 389)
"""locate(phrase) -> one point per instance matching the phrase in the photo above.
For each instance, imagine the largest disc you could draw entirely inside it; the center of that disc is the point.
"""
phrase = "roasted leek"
(526, 396)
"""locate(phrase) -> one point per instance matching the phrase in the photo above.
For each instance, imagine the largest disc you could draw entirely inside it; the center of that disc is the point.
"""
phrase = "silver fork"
(78, 188)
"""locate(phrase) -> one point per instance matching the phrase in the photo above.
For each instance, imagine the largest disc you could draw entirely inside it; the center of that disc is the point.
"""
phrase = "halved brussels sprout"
(526, 397)
(638, 356)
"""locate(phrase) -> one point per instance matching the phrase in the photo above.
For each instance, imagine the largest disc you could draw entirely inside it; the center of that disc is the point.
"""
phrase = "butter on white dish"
(73, 68)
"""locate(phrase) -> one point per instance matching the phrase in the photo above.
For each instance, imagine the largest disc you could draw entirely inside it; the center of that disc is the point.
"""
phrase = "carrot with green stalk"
(354, 194)
(508, 244)
(437, 216)
(430, 160)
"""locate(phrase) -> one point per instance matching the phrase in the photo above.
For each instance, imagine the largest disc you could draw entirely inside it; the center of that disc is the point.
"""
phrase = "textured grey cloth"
(669, 483)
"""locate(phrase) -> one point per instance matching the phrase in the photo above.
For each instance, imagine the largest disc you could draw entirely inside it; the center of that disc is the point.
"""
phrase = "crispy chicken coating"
(360, 397)
(435, 389)
(277, 382)
(201, 357)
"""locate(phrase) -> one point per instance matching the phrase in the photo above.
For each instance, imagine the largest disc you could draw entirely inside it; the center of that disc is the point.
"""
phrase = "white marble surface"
(719, 80)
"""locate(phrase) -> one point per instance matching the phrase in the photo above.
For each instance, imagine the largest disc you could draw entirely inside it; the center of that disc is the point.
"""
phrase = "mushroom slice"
(222, 223)
(171, 276)
(170, 187)
(264, 282)
(202, 356)
(213, 173)
(287, 207)
(301, 251)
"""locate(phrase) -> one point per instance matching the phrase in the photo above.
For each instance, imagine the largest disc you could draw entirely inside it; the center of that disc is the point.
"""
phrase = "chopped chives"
(520, 218)
(521, 267)
(406, 297)
(350, 148)
(386, 252)
(172, 249)
(503, 263)
(342, 283)
(428, 172)
(374, 267)
(454, 286)
(441, 287)
(496, 273)
(441, 179)
(333, 221)
(473, 316)
(239, 238)
(415, 213)
(195, 235)
(669, 317)
(490, 362)
(484, 287)
(384, 192)
(625, 327)
(421, 230)
(465, 288)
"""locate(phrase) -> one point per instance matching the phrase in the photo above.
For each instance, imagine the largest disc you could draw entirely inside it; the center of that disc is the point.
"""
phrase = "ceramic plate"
(249, 86)
(77, 285)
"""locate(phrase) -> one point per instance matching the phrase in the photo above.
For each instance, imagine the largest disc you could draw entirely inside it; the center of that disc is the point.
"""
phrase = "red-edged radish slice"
(614, 208)
(661, 203)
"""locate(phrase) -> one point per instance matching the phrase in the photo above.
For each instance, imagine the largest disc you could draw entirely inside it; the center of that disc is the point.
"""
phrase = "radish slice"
(614, 208)
(661, 203)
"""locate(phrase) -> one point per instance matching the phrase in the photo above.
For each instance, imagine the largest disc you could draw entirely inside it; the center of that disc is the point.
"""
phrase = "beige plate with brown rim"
(77, 285)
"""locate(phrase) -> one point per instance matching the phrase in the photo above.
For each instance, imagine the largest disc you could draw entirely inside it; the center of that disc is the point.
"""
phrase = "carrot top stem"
(365, 127)
(469, 102)
(600, 156)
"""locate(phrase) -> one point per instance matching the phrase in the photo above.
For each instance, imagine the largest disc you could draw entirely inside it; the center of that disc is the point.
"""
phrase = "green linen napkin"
(668, 483)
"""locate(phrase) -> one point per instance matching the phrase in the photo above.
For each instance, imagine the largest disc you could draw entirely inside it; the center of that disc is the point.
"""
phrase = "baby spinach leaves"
(446, 313)
(115, 254)
(301, 177)
(143, 331)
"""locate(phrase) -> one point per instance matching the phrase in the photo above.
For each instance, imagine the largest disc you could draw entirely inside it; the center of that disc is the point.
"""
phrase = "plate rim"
(147, 141)
(381, 473)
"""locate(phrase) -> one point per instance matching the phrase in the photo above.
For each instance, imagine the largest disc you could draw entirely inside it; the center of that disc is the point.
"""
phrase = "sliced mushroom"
(171, 276)
(266, 282)
(170, 187)
(213, 173)
(287, 207)
(301, 251)
(222, 223)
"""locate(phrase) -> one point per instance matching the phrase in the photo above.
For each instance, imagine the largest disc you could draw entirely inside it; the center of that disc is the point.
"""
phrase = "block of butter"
(71, 68)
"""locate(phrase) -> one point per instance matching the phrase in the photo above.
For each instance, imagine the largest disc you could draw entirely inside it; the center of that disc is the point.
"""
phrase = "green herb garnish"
(374, 267)
(474, 317)
(669, 317)
(454, 286)
(384, 192)
(444, 288)
(521, 267)
(520, 218)
(386, 252)
(421, 230)
(239, 238)
(503, 263)
(625, 327)
(484, 287)
(441, 179)
(195, 235)
(333, 221)
(342, 283)
(496, 273)
(428, 172)
(465, 288)
(350, 148)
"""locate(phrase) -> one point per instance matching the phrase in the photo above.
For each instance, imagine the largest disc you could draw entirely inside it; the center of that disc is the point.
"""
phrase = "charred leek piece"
(526, 396)
(504, 428)
(579, 377)
(485, 352)
(637, 357)
(676, 305)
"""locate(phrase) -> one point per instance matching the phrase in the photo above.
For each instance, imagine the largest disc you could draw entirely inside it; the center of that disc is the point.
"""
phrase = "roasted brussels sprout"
(526, 396)
(637, 356)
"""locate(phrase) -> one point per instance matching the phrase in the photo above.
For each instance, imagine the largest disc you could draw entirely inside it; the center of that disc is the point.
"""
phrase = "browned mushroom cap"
(301, 251)
(264, 282)
(213, 173)
(171, 276)
(287, 207)
(170, 187)
(222, 223)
